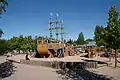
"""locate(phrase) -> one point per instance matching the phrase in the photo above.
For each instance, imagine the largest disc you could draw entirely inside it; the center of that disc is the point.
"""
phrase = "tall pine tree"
(113, 30)
(80, 39)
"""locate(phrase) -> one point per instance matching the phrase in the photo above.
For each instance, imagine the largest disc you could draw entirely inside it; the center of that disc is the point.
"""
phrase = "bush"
(118, 50)
(3, 47)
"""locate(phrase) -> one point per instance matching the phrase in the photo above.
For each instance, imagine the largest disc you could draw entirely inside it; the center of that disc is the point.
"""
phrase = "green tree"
(3, 3)
(100, 35)
(28, 43)
(17, 43)
(80, 39)
(1, 33)
(70, 41)
(22, 43)
(14, 43)
(3, 46)
(89, 40)
(110, 35)
(113, 30)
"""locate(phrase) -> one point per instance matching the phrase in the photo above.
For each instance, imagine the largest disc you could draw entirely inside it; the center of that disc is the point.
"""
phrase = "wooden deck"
(81, 62)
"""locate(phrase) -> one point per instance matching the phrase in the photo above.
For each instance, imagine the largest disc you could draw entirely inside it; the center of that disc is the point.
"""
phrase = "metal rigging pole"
(50, 22)
(56, 28)
(62, 34)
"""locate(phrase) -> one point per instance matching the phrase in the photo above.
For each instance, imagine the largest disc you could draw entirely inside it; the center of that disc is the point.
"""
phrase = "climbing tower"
(56, 26)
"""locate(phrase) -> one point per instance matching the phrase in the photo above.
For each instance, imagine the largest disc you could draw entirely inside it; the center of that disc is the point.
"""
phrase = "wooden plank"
(60, 64)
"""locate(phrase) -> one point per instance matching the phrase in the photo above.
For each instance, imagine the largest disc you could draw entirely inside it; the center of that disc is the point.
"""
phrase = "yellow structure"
(46, 49)
(49, 49)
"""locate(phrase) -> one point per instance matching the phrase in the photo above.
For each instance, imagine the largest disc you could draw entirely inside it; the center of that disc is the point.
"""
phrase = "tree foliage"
(22, 43)
(4, 47)
(3, 3)
(110, 35)
(70, 41)
(113, 29)
(88, 40)
(80, 39)
(100, 35)
(1, 33)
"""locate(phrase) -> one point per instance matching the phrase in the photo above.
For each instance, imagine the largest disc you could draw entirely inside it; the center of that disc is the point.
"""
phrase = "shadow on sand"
(6, 69)
(74, 72)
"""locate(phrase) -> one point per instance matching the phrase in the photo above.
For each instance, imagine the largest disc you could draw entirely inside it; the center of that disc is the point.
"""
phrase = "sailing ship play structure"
(54, 47)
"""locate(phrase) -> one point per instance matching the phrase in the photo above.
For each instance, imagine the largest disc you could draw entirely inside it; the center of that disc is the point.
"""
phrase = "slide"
(71, 51)
(52, 52)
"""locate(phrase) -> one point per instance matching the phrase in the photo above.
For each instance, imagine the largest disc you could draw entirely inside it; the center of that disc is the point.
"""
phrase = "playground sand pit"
(57, 62)
(109, 71)
(76, 58)
(27, 72)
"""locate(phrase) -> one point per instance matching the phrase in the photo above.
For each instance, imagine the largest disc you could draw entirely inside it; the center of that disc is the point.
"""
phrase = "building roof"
(91, 44)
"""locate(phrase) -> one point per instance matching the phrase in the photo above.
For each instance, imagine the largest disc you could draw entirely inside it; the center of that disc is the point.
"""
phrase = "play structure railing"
(54, 45)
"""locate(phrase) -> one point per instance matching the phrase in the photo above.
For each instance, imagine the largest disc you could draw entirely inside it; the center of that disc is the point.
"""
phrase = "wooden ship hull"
(48, 49)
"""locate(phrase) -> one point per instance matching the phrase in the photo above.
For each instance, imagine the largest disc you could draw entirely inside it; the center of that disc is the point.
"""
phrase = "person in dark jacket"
(26, 57)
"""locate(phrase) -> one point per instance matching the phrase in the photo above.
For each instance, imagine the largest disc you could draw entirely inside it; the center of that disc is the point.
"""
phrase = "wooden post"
(115, 58)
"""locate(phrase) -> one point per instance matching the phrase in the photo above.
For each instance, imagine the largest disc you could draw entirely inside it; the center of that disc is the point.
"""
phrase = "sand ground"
(2, 59)
(29, 72)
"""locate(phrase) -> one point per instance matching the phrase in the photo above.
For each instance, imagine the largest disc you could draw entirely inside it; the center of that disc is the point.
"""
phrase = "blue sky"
(31, 17)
